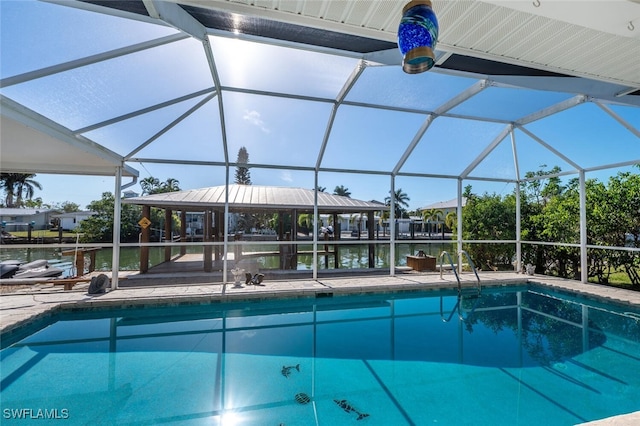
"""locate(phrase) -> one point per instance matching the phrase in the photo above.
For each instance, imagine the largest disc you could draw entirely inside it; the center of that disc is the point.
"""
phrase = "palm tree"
(401, 200)
(171, 185)
(384, 215)
(305, 220)
(341, 190)
(321, 188)
(149, 185)
(429, 215)
(18, 185)
(451, 220)
(152, 185)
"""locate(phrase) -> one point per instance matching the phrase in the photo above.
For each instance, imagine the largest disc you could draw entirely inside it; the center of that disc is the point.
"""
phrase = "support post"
(145, 236)
(183, 231)
(370, 236)
(207, 237)
(168, 213)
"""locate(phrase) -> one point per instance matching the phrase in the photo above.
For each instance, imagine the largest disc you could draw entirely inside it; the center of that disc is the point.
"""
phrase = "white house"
(17, 219)
(70, 221)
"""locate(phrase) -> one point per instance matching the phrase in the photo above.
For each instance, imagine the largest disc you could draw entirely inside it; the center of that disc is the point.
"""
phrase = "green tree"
(321, 188)
(305, 222)
(17, 187)
(613, 218)
(243, 177)
(151, 185)
(99, 227)
(451, 221)
(429, 215)
(401, 202)
(35, 203)
(342, 191)
(67, 207)
(489, 217)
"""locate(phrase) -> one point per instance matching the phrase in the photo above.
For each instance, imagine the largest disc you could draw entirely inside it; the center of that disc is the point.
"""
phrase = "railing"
(455, 270)
(473, 268)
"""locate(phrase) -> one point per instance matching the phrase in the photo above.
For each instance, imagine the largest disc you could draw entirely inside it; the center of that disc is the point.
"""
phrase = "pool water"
(520, 356)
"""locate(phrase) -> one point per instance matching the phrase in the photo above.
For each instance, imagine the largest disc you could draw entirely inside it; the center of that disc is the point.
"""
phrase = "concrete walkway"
(24, 306)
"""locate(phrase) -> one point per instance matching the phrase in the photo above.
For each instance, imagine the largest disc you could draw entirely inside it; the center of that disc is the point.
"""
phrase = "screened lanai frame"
(349, 93)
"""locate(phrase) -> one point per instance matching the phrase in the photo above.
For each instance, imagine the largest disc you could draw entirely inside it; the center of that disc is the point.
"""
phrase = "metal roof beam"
(177, 17)
(414, 142)
(348, 85)
(463, 96)
(89, 60)
(619, 119)
(554, 109)
(170, 126)
(549, 147)
(143, 111)
(452, 103)
(503, 134)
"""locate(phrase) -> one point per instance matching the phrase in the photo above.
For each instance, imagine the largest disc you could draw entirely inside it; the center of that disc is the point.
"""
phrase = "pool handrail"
(455, 269)
(473, 268)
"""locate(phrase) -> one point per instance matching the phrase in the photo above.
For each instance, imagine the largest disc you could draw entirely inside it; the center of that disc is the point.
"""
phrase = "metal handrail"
(473, 268)
(453, 268)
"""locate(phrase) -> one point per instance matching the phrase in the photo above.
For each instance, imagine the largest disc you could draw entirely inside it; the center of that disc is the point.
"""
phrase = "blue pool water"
(522, 356)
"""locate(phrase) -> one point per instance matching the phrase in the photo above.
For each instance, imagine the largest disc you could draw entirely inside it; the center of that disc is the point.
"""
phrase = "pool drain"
(302, 398)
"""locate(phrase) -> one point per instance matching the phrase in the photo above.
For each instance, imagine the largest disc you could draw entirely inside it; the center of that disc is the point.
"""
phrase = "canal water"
(351, 256)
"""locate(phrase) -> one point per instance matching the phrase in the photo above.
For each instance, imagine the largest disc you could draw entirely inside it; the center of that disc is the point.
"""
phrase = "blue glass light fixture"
(417, 36)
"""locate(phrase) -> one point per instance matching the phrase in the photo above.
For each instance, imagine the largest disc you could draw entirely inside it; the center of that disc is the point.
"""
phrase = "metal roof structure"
(448, 204)
(74, 107)
(255, 197)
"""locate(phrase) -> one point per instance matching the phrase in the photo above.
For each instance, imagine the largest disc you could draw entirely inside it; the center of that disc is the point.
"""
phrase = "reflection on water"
(351, 256)
(521, 352)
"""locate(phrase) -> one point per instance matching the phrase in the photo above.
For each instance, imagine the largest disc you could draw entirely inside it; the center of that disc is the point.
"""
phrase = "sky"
(286, 132)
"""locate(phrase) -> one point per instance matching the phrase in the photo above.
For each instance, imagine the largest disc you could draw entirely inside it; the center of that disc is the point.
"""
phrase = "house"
(18, 219)
(70, 221)
(445, 207)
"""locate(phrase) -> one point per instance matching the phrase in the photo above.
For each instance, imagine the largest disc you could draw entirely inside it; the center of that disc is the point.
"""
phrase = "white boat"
(36, 269)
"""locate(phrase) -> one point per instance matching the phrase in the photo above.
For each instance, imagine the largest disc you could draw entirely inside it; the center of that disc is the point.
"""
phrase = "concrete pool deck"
(24, 306)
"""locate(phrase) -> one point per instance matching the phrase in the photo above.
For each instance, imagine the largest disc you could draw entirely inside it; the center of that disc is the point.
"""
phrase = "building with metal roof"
(255, 197)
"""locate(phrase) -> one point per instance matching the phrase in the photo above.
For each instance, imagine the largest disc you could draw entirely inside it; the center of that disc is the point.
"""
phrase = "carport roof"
(255, 197)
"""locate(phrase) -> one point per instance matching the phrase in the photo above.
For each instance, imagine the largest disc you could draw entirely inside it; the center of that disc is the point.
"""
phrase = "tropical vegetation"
(401, 200)
(18, 187)
(550, 213)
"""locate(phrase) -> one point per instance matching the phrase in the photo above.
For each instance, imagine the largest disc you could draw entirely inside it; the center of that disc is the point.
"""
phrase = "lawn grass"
(618, 279)
(42, 233)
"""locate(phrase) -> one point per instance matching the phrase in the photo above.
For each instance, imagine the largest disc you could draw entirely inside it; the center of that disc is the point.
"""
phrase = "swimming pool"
(522, 355)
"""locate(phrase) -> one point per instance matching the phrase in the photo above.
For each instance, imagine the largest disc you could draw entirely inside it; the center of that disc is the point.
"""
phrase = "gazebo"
(216, 203)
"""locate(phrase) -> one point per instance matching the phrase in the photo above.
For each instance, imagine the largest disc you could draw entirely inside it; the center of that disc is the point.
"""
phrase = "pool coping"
(18, 310)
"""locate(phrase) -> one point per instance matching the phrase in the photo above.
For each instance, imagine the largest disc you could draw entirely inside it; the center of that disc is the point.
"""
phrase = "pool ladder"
(458, 305)
(455, 271)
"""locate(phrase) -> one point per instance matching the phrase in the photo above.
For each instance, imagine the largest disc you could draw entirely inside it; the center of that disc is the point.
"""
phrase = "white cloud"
(285, 175)
(254, 118)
